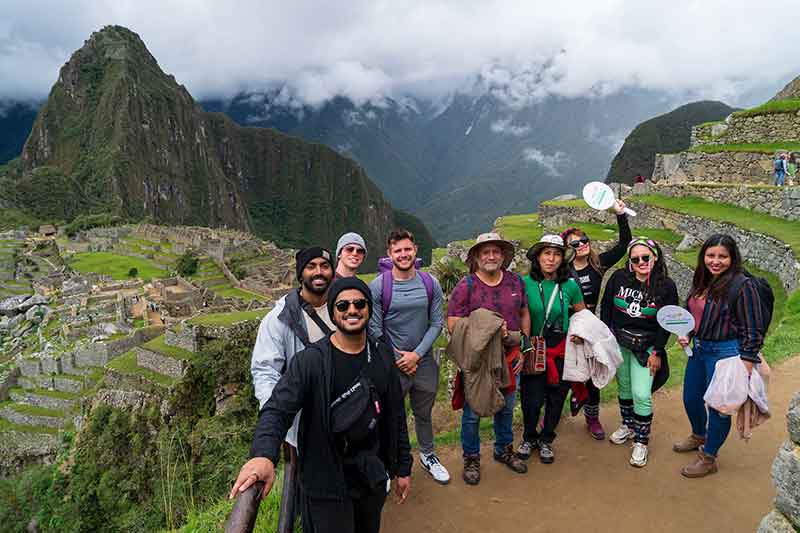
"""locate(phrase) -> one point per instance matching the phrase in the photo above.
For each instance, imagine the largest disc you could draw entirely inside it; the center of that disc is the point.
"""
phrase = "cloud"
(505, 126)
(552, 163)
(519, 51)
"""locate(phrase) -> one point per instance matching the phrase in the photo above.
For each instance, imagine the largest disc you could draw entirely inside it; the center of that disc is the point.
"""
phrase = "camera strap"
(550, 303)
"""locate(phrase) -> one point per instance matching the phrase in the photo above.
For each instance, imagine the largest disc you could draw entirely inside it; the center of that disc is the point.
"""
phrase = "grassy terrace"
(5, 425)
(126, 364)
(32, 409)
(785, 230)
(115, 265)
(47, 392)
(228, 319)
(159, 346)
(791, 105)
(757, 148)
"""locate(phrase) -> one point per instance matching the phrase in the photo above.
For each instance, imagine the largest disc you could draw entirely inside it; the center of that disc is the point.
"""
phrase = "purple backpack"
(385, 269)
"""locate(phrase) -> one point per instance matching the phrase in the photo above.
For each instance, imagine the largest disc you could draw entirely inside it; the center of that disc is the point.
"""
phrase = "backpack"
(778, 163)
(385, 269)
(766, 297)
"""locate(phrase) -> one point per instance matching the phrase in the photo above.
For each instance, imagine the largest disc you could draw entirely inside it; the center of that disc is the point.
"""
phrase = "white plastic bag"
(729, 386)
(759, 379)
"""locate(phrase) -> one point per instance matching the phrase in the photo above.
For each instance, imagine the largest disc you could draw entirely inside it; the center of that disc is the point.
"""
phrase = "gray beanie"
(350, 238)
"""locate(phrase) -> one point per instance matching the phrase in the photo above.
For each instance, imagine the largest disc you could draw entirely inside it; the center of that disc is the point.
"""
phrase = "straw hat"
(550, 241)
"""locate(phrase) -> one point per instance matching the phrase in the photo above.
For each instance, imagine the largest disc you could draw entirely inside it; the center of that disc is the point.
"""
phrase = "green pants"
(635, 383)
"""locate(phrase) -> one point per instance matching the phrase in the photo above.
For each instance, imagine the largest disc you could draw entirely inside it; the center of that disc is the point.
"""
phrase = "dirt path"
(591, 487)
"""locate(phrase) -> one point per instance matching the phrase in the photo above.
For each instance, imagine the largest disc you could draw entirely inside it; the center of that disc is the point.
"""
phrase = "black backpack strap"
(312, 314)
(736, 286)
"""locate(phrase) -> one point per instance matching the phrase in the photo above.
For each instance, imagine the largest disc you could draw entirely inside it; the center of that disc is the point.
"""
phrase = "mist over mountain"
(461, 162)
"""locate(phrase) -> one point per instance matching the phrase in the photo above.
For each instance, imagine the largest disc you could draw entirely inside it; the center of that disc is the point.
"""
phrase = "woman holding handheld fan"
(730, 321)
(587, 268)
(631, 302)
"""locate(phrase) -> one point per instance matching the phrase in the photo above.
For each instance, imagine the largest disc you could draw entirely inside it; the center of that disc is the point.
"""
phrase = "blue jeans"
(503, 434)
(708, 423)
(779, 177)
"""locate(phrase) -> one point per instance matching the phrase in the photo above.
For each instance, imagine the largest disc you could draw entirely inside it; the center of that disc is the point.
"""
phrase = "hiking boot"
(704, 465)
(595, 428)
(510, 460)
(546, 454)
(525, 449)
(622, 435)
(435, 468)
(691, 443)
(472, 469)
(639, 455)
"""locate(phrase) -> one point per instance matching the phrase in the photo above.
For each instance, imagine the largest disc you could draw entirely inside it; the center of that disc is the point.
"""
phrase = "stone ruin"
(177, 296)
(785, 518)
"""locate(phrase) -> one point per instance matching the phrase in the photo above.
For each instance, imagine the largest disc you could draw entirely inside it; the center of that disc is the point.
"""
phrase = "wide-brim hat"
(490, 238)
(550, 241)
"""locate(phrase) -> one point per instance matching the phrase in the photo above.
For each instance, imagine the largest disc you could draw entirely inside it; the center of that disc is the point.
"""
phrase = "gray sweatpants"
(421, 388)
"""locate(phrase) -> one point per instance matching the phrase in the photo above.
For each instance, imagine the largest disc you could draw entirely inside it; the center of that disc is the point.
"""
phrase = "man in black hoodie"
(345, 462)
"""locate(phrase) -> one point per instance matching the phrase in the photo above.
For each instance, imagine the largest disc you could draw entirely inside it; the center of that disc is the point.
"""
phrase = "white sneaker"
(621, 435)
(437, 471)
(639, 455)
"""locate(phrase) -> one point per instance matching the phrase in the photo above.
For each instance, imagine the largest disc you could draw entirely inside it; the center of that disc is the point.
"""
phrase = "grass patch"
(784, 230)
(159, 346)
(47, 392)
(578, 202)
(241, 294)
(126, 364)
(5, 425)
(228, 319)
(115, 265)
(139, 323)
(366, 278)
(756, 148)
(790, 105)
(32, 410)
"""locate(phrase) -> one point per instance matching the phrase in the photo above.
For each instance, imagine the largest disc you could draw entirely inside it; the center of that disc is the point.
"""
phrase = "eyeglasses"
(642, 258)
(344, 305)
(354, 250)
(578, 242)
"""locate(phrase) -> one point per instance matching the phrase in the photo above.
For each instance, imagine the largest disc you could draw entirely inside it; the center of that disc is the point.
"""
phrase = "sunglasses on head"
(576, 243)
(354, 250)
(344, 305)
(642, 258)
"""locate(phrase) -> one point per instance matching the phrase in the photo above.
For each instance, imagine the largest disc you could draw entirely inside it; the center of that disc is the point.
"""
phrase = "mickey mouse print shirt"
(628, 304)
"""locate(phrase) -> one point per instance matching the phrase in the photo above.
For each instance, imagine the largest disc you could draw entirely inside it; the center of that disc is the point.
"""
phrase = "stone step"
(61, 401)
(29, 367)
(74, 384)
(160, 363)
(27, 415)
(23, 446)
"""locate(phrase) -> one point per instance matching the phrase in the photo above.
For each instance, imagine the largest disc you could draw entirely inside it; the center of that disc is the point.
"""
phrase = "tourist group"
(335, 359)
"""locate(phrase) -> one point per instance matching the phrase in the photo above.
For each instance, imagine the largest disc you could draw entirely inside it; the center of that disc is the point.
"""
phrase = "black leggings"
(362, 515)
(594, 394)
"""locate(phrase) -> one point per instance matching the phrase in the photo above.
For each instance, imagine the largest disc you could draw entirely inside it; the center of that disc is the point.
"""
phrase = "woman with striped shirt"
(726, 325)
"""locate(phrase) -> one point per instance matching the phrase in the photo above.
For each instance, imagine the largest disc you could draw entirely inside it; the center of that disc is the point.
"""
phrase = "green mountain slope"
(117, 135)
(666, 133)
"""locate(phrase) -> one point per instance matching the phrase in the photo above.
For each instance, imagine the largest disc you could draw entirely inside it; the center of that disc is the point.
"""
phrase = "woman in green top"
(551, 293)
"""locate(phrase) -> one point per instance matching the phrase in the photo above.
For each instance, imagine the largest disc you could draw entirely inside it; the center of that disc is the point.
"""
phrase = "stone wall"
(771, 128)
(722, 167)
(783, 202)
(8, 380)
(786, 478)
(765, 252)
(181, 336)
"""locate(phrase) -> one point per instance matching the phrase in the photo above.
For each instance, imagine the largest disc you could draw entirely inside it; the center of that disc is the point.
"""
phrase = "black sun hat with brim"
(490, 238)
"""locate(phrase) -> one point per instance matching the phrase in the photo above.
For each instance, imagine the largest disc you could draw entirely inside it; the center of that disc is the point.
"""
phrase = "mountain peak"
(792, 90)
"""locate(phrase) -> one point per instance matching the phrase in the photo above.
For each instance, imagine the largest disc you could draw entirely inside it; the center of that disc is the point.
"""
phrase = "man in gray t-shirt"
(411, 325)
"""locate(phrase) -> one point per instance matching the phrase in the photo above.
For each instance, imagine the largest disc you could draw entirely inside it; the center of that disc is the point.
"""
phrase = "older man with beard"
(491, 286)
(353, 434)
(297, 320)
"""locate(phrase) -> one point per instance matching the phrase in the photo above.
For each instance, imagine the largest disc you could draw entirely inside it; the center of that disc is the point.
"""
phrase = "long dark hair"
(703, 281)
(658, 273)
(562, 272)
(594, 257)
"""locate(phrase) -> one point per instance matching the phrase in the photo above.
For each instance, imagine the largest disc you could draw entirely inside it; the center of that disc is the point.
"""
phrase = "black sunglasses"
(354, 250)
(578, 242)
(644, 258)
(344, 305)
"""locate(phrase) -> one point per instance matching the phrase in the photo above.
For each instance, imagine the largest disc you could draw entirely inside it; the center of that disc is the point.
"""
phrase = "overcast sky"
(735, 50)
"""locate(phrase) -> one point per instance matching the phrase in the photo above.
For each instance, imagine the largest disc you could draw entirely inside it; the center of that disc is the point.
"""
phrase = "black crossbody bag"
(355, 413)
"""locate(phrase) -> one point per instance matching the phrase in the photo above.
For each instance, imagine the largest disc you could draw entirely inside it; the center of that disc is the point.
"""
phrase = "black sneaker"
(546, 454)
